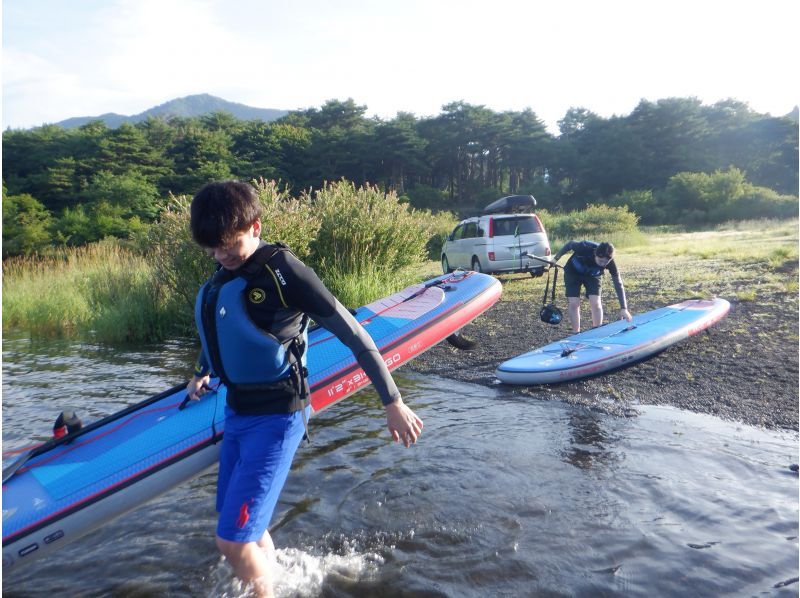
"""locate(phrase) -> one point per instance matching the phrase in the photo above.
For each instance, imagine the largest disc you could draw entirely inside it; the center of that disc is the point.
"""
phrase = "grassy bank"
(738, 260)
(114, 294)
(364, 243)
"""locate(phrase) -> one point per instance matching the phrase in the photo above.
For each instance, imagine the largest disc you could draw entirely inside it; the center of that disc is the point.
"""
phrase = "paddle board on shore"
(67, 487)
(614, 345)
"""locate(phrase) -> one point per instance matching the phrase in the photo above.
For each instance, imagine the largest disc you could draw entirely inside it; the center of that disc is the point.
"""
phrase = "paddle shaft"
(551, 263)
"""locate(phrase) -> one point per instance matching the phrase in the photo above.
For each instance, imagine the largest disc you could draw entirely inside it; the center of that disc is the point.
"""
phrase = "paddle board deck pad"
(73, 485)
(612, 346)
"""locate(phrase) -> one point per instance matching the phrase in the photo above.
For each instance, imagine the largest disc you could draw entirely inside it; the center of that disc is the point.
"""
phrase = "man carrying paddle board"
(252, 317)
(585, 269)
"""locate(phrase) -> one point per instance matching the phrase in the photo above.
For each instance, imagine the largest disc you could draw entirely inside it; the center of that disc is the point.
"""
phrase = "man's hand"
(624, 314)
(197, 387)
(403, 423)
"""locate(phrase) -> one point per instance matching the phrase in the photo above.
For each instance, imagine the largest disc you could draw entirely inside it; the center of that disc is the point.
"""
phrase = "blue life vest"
(253, 363)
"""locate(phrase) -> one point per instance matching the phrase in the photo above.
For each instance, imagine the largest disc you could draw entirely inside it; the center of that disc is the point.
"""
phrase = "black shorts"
(573, 282)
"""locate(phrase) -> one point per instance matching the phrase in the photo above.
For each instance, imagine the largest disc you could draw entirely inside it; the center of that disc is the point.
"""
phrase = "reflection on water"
(590, 446)
(503, 496)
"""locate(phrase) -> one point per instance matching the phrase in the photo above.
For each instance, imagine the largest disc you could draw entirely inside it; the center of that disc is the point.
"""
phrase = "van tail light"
(491, 231)
(491, 254)
(547, 251)
(539, 222)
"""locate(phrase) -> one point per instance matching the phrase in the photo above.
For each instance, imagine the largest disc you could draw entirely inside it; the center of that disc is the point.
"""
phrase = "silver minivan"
(495, 243)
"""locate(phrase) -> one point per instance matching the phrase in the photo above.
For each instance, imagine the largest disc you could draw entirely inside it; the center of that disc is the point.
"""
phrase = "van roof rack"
(511, 204)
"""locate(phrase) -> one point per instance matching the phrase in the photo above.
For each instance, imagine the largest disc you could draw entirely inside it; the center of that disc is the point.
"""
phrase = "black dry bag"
(550, 314)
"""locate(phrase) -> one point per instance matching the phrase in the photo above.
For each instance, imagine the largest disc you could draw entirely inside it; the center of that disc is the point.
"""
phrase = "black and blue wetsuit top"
(582, 263)
(248, 318)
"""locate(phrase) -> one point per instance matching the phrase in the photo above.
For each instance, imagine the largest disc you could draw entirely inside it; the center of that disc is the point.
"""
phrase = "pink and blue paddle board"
(612, 346)
(59, 491)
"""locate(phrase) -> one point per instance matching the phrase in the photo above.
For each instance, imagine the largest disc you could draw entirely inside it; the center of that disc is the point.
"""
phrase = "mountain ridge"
(185, 107)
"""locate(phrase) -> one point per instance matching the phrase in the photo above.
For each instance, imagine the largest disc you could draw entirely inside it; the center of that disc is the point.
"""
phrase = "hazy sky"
(64, 58)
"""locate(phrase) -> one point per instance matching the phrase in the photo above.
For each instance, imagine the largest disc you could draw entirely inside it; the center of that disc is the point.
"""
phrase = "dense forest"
(671, 161)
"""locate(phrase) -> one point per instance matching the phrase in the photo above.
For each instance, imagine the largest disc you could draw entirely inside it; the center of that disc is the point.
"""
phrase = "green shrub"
(84, 224)
(365, 233)
(644, 203)
(286, 219)
(756, 202)
(598, 222)
(437, 225)
(697, 198)
(182, 266)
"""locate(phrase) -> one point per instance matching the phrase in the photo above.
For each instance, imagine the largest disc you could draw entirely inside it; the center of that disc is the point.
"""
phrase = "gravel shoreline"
(745, 368)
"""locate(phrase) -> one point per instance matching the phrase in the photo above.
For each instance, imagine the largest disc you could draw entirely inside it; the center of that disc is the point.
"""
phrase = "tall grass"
(101, 290)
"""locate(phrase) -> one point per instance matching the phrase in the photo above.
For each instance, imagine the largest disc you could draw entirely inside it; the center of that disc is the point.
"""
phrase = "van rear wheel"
(446, 265)
(476, 264)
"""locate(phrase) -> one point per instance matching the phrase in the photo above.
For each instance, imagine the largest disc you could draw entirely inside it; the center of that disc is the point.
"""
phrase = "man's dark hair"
(604, 249)
(222, 210)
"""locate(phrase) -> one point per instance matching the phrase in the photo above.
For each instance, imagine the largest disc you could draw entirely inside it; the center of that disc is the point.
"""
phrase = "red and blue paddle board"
(72, 485)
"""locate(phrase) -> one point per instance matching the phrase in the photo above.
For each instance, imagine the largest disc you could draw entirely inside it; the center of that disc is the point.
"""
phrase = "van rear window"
(516, 226)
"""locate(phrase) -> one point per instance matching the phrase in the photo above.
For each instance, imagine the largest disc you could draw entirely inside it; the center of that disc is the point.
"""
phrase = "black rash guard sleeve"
(568, 246)
(302, 289)
(618, 286)
(352, 334)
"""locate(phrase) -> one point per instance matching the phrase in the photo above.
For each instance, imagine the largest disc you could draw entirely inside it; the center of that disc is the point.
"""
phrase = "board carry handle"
(187, 398)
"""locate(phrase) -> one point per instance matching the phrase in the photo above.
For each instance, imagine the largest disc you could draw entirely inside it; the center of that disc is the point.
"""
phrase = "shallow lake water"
(503, 496)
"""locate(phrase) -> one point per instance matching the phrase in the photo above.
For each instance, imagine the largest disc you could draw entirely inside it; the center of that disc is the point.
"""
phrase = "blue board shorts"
(254, 462)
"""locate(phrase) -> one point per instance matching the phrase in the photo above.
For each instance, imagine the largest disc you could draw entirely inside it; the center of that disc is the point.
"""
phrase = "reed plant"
(368, 241)
(103, 290)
